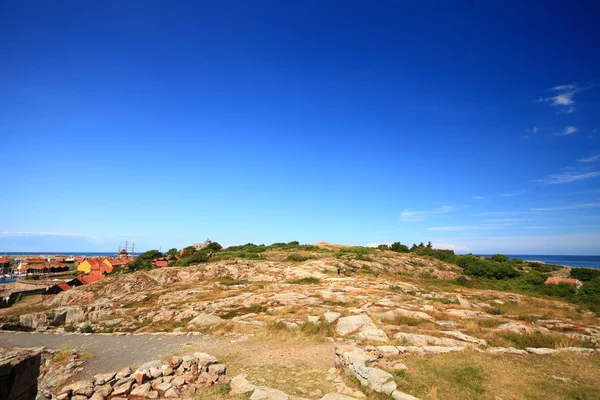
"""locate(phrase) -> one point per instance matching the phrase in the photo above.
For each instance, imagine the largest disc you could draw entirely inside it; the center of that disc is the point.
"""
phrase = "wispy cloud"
(61, 234)
(563, 98)
(589, 159)
(479, 197)
(497, 213)
(418, 216)
(449, 246)
(513, 194)
(577, 206)
(568, 177)
(455, 228)
(569, 130)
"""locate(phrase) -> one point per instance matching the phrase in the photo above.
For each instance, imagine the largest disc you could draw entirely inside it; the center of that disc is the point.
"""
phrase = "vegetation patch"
(255, 309)
(297, 257)
(311, 280)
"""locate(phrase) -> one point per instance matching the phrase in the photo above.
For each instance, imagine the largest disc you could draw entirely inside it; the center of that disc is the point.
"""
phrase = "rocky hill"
(397, 309)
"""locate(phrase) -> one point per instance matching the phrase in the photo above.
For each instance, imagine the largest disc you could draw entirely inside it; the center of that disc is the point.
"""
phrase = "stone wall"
(19, 370)
(172, 378)
(356, 362)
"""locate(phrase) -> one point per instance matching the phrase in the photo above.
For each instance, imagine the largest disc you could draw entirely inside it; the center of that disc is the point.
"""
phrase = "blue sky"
(472, 124)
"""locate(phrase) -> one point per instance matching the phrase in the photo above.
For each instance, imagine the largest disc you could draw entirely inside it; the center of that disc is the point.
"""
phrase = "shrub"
(499, 258)
(462, 281)
(585, 274)
(297, 257)
(311, 280)
(399, 247)
(87, 328)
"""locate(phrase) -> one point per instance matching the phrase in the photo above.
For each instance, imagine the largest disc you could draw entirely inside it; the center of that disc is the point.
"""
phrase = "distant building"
(117, 262)
(88, 264)
(200, 246)
(555, 281)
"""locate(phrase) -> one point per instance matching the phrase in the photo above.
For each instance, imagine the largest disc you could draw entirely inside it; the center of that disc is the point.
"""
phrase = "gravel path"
(112, 353)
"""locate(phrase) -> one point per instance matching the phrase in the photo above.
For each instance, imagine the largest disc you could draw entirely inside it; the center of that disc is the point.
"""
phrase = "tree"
(172, 252)
(429, 245)
(499, 258)
(144, 260)
(383, 247)
(213, 246)
(399, 247)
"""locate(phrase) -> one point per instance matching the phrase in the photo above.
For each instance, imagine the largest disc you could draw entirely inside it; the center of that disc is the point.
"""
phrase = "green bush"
(499, 258)
(311, 280)
(584, 274)
(399, 247)
(297, 257)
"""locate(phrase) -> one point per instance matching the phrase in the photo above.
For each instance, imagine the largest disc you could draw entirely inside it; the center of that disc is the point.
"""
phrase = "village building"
(200, 246)
(86, 265)
(117, 262)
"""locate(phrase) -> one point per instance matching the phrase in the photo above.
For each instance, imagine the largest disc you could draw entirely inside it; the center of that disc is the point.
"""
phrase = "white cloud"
(563, 98)
(577, 206)
(479, 197)
(376, 244)
(418, 216)
(450, 246)
(569, 130)
(589, 159)
(513, 194)
(496, 213)
(569, 177)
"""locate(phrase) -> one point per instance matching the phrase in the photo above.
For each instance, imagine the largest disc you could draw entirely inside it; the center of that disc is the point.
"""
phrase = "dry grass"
(472, 375)
(523, 340)
(293, 379)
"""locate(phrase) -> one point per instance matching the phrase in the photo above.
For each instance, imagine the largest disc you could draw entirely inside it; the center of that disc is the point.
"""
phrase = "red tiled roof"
(160, 264)
(36, 267)
(555, 281)
(87, 279)
(4, 260)
(34, 260)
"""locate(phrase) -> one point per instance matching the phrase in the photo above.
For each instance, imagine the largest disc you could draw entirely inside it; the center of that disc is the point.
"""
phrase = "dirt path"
(112, 353)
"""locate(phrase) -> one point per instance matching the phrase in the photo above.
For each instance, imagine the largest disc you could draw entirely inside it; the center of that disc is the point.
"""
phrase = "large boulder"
(514, 327)
(331, 316)
(205, 320)
(347, 325)
(374, 335)
(426, 340)
(33, 320)
(240, 385)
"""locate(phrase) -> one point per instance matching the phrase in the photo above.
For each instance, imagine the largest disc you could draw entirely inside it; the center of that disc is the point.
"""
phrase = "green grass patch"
(311, 280)
(297, 257)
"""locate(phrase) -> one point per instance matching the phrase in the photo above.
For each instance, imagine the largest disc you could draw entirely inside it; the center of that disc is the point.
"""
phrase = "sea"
(569, 261)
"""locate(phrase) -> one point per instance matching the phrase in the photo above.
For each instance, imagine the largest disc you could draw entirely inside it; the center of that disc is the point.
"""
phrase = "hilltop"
(442, 328)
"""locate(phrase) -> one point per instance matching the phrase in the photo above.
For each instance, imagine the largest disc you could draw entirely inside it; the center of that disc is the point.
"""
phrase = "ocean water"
(61, 253)
(570, 261)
